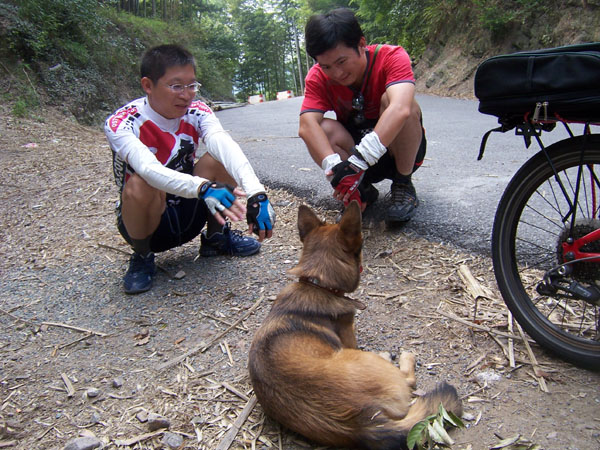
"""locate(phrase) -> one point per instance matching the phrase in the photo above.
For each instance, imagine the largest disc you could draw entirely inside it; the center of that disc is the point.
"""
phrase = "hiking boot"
(139, 275)
(403, 202)
(229, 242)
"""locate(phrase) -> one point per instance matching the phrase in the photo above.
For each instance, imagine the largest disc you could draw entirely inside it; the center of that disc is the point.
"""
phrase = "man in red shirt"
(377, 133)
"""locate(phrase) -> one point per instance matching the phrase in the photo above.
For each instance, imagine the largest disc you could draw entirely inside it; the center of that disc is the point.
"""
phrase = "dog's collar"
(338, 292)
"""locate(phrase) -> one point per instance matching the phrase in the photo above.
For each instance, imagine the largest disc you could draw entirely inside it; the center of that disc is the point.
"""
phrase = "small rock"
(179, 275)
(92, 392)
(83, 443)
(142, 416)
(468, 417)
(552, 435)
(198, 420)
(117, 382)
(156, 422)
(172, 440)
(488, 376)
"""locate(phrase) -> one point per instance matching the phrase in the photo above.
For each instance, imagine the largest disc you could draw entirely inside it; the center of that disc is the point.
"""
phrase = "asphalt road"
(458, 194)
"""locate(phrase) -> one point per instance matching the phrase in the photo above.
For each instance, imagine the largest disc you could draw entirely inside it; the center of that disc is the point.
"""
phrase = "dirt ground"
(81, 358)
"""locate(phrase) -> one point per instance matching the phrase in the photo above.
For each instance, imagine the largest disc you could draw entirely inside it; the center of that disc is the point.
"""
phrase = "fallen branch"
(12, 316)
(235, 391)
(134, 440)
(128, 253)
(534, 363)
(233, 431)
(480, 327)
(204, 347)
(71, 327)
(68, 385)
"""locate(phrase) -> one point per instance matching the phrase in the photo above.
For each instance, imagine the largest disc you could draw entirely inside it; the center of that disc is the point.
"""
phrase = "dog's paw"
(386, 355)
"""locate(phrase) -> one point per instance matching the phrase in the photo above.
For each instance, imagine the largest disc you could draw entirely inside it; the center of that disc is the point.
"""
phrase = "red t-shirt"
(392, 65)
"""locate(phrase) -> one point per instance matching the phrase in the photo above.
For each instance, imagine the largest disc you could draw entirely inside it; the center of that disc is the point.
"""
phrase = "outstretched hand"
(222, 202)
(260, 216)
(345, 179)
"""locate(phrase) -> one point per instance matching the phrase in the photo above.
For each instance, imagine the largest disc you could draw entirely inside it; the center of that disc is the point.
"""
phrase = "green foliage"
(494, 17)
(53, 29)
(430, 433)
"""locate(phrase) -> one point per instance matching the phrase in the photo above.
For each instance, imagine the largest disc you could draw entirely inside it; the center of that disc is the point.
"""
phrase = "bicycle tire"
(526, 242)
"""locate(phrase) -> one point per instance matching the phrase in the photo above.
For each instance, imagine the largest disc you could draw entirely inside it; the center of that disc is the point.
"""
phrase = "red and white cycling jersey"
(162, 151)
(392, 65)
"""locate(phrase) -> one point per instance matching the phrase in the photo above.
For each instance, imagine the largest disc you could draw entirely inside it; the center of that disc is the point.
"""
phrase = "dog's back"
(304, 366)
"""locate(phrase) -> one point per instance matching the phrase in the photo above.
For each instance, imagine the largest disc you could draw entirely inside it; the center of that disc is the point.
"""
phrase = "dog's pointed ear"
(307, 221)
(351, 222)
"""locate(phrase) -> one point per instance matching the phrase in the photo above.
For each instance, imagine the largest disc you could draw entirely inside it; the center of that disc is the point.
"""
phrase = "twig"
(233, 431)
(8, 444)
(479, 327)
(115, 249)
(534, 363)
(17, 318)
(68, 385)
(511, 347)
(204, 347)
(71, 327)
(73, 342)
(32, 86)
(237, 392)
(134, 440)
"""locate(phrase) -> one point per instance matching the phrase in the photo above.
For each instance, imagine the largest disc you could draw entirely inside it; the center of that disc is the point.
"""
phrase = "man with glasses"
(377, 133)
(171, 185)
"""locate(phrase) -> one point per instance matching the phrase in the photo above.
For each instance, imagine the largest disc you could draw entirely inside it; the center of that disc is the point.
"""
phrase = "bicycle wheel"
(531, 223)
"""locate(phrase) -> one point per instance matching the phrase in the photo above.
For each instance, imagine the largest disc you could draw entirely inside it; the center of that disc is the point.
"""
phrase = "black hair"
(157, 60)
(325, 31)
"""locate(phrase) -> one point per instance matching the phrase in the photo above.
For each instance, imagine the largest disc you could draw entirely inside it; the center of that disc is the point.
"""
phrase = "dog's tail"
(392, 434)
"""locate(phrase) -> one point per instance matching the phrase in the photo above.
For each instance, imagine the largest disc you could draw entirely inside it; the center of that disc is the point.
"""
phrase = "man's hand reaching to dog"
(260, 216)
(345, 178)
(222, 202)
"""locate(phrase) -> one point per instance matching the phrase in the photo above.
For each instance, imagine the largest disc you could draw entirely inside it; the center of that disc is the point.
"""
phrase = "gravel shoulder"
(78, 357)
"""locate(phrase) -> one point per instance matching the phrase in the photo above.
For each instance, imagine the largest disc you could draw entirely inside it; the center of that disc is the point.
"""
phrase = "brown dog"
(304, 366)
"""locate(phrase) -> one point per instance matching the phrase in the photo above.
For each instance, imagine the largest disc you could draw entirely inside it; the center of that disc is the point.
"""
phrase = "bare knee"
(211, 169)
(339, 138)
(139, 194)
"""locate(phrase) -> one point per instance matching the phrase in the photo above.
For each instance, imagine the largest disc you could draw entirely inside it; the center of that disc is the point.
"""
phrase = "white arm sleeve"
(371, 148)
(145, 164)
(225, 150)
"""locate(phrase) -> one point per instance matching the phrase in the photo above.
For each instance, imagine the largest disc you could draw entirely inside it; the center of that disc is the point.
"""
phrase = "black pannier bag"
(561, 82)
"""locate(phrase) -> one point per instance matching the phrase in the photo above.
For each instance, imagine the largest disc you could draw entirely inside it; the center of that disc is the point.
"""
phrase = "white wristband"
(371, 148)
(330, 160)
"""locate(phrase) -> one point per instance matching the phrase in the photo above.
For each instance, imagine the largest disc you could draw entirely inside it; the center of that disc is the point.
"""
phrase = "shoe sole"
(137, 291)
(210, 253)
(403, 219)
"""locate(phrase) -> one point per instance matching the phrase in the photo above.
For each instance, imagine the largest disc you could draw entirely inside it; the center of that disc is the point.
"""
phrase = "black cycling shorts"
(181, 222)
(385, 168)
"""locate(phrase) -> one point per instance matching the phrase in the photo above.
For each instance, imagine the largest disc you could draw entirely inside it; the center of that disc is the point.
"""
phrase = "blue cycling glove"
(217, 196)
(260, 213)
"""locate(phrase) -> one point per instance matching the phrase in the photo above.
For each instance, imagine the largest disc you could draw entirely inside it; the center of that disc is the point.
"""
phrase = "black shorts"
(385, 168)
(181, 222)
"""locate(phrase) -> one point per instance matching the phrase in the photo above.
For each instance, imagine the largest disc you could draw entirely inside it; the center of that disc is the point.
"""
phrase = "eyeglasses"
(179, 88)
(358, 105)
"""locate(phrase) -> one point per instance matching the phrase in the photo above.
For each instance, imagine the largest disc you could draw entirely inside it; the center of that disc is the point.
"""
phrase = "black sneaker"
(139, 275)
(403, 202)
(229, 242)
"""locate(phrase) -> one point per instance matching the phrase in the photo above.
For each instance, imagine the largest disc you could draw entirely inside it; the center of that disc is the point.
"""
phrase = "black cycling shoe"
(403, 203)
(139, 275)
(229, 242)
